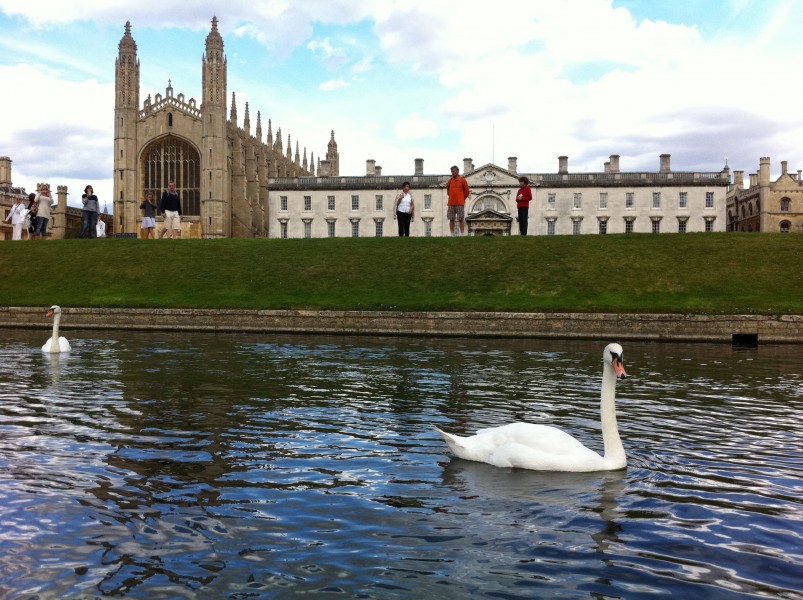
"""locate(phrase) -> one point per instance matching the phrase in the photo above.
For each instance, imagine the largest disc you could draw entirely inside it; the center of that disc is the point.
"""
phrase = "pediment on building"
(491, 175)
(786, 182)
(489, 215)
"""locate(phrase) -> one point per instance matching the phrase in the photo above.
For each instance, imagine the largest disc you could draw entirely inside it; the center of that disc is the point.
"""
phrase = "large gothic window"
(170, 158)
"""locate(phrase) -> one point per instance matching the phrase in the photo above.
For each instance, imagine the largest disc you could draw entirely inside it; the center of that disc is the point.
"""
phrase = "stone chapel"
(221, 170)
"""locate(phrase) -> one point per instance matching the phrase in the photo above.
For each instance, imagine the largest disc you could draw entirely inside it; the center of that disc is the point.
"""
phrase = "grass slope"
(694, 273)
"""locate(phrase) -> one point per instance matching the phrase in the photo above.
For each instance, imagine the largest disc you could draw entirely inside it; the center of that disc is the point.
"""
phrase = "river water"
(258, 466)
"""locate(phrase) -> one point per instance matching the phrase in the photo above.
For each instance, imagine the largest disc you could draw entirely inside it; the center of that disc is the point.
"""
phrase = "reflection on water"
(226, 466)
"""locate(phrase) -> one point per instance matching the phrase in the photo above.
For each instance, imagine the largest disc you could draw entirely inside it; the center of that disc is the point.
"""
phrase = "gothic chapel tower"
(215, 177)
(126, 105)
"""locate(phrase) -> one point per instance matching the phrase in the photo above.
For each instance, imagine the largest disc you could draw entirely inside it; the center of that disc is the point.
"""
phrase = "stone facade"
(220, 168)
(609, 201)
(768, 206)
(749, 329)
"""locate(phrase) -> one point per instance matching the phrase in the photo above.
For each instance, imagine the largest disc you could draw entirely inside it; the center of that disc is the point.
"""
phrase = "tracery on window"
(173, 159)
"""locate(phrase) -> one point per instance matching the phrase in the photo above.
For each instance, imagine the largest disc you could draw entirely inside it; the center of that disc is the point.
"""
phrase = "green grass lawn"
(693, 273)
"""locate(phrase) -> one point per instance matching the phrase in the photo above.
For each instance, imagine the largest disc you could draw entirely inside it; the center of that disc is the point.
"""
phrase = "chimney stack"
(378, 171)
(370, 167)
(738, 180)
(468, 165)
(563, 164)
(511, 164)
(614, 163)
(419, 166)
(665, 163)
(764, 171)
(325, 169)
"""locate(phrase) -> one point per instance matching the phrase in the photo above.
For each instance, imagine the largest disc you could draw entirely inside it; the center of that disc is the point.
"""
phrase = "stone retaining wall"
(664, 327)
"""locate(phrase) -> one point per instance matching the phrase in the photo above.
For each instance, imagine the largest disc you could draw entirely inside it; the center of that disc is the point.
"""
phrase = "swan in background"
(56, 343)
(547, 448)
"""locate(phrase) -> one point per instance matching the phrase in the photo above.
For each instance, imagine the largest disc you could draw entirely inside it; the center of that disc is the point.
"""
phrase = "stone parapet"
(652, 327)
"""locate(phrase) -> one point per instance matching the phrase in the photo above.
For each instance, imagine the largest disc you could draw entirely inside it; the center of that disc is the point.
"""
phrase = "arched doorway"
(489, 215)
(170, 158)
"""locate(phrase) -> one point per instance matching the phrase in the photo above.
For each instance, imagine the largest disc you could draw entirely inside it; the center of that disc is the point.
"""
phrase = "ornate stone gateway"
(489, 222)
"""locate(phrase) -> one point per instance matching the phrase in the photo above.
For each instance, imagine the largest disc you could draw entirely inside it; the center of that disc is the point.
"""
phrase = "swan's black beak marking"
(618, 366)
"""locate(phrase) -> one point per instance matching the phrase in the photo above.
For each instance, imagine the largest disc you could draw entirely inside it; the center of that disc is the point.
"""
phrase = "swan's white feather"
(56, 343)
(547, 448)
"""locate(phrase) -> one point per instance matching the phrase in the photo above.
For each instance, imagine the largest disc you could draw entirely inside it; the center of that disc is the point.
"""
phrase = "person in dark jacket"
(170, 207)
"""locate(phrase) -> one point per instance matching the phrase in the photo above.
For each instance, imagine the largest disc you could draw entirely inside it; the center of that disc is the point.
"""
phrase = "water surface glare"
(257, 466)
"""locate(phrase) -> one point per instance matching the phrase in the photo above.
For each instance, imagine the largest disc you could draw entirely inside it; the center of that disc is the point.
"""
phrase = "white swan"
(546, 448)
(56, 343)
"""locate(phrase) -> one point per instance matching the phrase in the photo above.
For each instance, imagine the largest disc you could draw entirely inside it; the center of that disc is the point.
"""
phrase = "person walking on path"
(89, 216)
(405, 207)
(457, 192)
(170, 207)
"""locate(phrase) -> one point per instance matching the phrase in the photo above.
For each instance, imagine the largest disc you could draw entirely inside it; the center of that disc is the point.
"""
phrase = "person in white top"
(405, 208)
(17, 217)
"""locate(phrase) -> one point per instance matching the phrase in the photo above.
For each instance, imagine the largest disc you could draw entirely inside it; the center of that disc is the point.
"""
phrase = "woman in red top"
(523, 203)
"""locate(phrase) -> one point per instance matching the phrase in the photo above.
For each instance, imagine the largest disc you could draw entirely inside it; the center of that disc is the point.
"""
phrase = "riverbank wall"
(748, 329)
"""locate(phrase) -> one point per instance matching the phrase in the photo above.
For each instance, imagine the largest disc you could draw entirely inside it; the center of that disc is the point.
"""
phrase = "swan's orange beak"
(619, 368)
(50, 313)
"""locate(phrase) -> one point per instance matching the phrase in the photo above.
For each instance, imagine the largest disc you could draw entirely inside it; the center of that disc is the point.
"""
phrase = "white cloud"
(333, 56)
(414, 126)
(364, 65)
(58, 130)
(333, 84)
(536, 80)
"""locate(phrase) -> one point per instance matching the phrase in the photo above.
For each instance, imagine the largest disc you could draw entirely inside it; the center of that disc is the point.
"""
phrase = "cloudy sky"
(440, 80)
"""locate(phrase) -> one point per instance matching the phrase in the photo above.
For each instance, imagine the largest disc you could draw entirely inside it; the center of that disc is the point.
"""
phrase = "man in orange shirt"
(457, 192)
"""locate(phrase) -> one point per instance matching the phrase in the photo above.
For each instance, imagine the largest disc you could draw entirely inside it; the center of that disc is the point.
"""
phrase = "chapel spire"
(127, 71)
(233, 113)
(214, 68)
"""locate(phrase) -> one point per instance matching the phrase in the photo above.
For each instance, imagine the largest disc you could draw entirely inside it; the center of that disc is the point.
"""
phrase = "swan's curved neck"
(54, 339)
(56, 319)
(614, 450)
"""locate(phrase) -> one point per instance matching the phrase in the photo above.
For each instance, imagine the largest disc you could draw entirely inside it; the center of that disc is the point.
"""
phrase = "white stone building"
(564, 203)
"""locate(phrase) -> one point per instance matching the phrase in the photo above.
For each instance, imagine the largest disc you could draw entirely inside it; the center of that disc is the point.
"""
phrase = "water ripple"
(184, 466)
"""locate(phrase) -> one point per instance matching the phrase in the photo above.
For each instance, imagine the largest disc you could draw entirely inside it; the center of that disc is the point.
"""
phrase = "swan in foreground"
(56, 343)
(546, 448)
